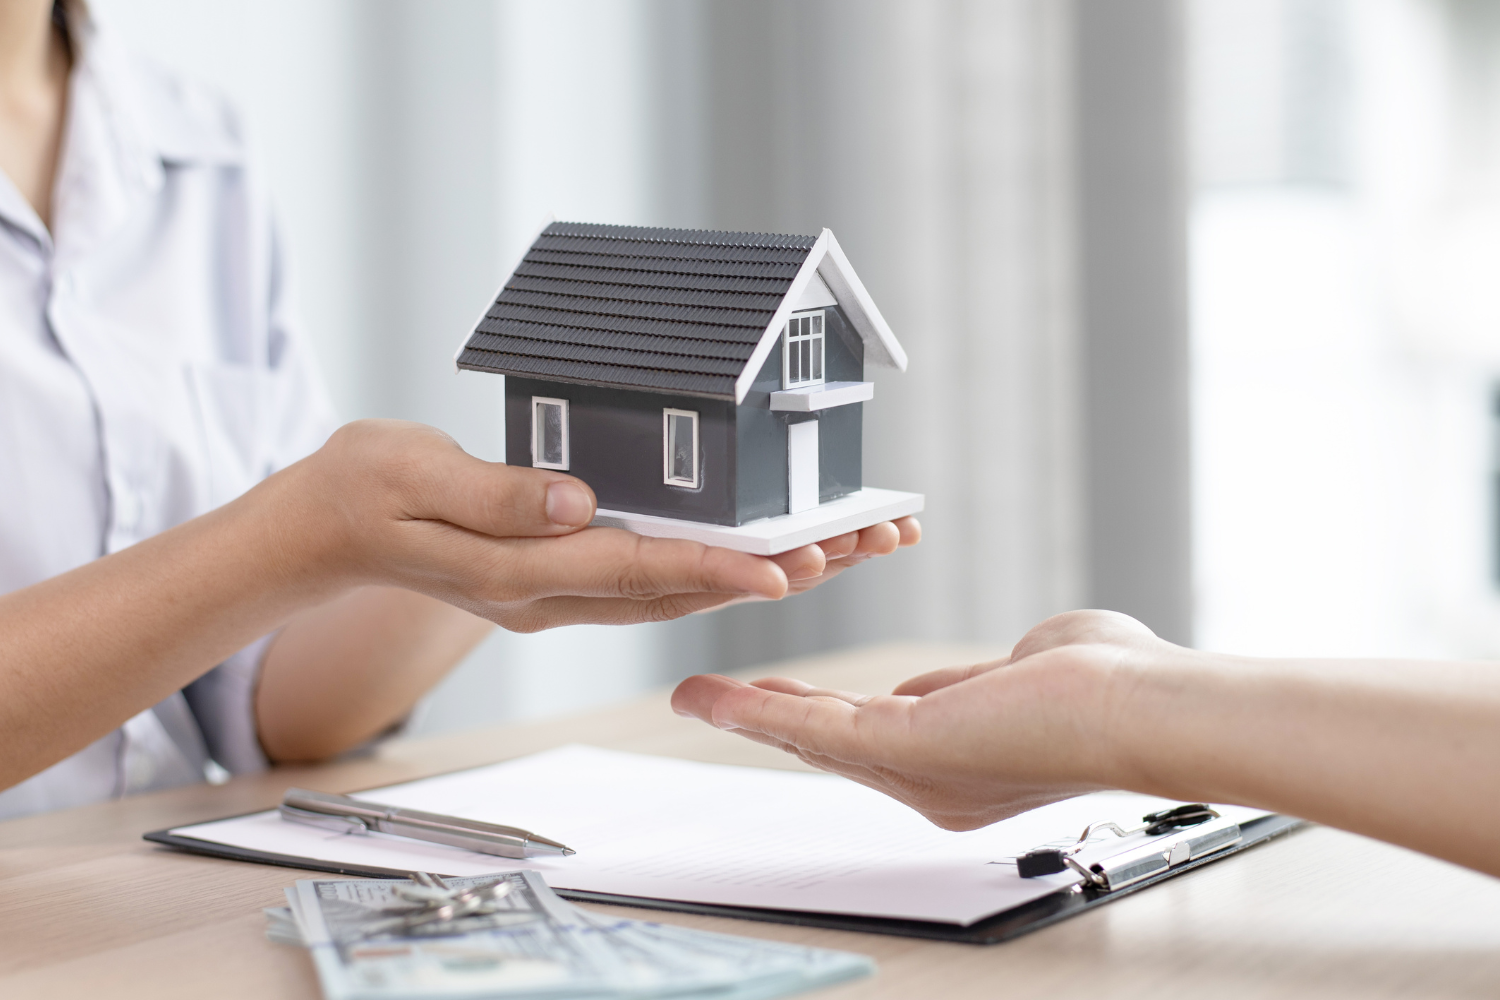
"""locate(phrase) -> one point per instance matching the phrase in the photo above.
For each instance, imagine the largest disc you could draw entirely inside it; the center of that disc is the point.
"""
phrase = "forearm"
(342, 672)
(86, 650)
(380, 504)
(1407, 752)
(1403, 751)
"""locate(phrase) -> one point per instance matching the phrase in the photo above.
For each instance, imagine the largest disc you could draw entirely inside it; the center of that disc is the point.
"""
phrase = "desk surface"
(87, 909)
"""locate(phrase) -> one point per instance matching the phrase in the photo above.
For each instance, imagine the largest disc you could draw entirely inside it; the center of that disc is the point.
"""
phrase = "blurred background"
(1200, 296)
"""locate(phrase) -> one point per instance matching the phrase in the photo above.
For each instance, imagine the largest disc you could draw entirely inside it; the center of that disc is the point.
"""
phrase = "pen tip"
(546, 845)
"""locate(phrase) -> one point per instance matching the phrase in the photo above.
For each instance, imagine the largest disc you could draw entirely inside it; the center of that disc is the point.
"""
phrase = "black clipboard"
(1003, 926)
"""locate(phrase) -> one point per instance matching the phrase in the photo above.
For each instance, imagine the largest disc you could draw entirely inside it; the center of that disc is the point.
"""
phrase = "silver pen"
(346, 815)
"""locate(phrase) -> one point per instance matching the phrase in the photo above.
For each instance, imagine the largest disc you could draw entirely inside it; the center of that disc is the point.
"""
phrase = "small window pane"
(803, 350)
(682, 447)
(680, 428)
(551, 441)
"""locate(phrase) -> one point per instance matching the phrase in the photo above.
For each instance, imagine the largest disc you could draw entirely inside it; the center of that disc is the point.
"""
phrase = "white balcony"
(822, 397)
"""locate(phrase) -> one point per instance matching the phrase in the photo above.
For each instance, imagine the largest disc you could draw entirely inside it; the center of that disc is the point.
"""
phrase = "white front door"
(801, 466)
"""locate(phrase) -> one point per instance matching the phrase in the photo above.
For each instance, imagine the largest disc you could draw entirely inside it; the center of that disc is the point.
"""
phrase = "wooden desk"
(89, 910)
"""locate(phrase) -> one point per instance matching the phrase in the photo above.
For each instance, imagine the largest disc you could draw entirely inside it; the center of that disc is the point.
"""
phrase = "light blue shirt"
(149, 372)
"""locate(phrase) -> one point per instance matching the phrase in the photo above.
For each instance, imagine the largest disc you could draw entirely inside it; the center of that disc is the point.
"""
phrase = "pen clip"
(328, 821)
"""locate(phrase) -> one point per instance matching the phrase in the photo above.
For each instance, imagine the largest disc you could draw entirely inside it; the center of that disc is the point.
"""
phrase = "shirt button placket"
(127, 511)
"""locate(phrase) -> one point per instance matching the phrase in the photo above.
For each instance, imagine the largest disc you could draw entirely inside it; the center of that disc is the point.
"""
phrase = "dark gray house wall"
(839, 442)
(615, 440)
(761, 446)
(761, 433)
(844, 353)
(615, 445)
(840, 438)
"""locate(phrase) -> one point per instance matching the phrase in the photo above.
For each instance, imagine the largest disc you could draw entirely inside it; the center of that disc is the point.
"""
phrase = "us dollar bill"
(531, 944)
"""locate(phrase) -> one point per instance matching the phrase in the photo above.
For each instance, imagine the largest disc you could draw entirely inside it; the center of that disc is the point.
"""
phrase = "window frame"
(667, 414)
(820, 339)
(536, 429)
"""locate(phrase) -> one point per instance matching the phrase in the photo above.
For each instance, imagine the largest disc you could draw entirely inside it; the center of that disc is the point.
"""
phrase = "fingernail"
(569, 505)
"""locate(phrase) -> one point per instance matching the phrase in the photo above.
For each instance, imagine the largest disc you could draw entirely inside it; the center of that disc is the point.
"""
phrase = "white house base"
(771, 535)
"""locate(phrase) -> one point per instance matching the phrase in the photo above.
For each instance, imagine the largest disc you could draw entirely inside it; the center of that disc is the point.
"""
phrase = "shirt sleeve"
(298, 417)
(223, 704)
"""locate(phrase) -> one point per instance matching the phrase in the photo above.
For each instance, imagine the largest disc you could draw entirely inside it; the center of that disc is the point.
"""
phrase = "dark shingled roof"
(671, 310)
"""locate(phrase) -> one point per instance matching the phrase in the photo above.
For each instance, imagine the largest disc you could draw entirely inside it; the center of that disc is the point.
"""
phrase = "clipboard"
(1002, 926)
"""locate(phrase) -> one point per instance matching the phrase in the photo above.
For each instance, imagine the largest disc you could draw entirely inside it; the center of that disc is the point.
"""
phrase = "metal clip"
(1129, 867)
(1211, 833)
(328, 821)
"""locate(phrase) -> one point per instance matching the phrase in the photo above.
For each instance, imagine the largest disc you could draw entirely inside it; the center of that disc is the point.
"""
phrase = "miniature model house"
(698, 381)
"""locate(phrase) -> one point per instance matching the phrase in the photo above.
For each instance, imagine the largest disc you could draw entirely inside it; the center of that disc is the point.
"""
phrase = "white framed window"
(549, 433)
(802, 353)
(679, 442)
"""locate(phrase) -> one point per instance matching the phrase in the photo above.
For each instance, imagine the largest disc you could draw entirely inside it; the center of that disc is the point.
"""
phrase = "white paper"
(674, 829)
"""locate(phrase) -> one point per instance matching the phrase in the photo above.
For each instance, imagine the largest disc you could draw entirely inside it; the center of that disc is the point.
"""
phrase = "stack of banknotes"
(508, 935)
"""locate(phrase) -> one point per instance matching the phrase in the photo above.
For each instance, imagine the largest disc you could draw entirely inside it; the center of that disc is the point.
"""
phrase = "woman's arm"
(382, 505)
(1408, 752)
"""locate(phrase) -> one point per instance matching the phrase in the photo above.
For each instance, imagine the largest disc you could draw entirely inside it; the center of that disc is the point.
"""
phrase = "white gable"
(826, 272)
(816, 295)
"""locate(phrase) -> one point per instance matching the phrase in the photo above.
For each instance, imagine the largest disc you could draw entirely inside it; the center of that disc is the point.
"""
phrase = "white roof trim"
(881, 346)
(778, 319)
(826, 260)
(505, 281)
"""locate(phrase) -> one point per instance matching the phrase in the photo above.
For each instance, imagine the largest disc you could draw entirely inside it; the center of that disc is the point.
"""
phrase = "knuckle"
(635, 584)
(636, 578)
(485, 572)
(670, 608)
(516, 494)
(654, 611)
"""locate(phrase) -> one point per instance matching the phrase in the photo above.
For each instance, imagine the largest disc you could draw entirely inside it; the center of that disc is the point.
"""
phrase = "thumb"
(936, 680)
(504, 501)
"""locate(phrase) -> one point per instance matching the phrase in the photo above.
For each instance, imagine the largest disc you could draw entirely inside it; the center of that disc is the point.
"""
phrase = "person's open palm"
(408, 507)
(965, 746)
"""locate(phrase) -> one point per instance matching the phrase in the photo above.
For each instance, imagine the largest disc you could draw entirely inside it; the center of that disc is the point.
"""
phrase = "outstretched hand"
(965, 746)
